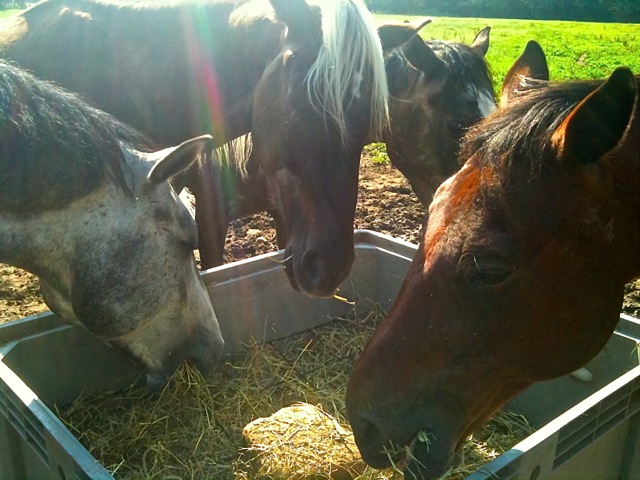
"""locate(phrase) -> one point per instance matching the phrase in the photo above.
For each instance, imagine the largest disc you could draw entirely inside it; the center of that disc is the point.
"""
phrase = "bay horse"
(182, 69)
(87, 207)
(520, 274)
(437, 91)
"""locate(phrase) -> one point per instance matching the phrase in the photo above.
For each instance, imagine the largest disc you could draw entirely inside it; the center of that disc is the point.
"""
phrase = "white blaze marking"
(484, 100)
(486, 104)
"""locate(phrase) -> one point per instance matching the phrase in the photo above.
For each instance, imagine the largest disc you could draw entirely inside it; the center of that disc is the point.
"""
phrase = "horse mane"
(236, 152)
(350, 52)
(466, 68)
(510, 135)
(56, 147)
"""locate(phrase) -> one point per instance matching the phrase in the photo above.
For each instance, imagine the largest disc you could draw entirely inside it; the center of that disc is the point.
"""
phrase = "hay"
(193, 429)
(301, 442)
(502, 432)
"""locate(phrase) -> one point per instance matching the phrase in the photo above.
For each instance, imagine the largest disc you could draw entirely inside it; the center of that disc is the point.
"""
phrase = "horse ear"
(302, 22)
(177, 159)
(74, 15)
(531, 64)
(481, 42)
(395, 35)
(422, 57)
(597, 124)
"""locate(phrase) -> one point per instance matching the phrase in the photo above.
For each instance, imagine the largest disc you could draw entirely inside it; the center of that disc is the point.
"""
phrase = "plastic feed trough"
(586, 430)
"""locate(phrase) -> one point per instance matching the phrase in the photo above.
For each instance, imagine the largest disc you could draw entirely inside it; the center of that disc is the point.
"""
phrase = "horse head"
(314, 110)
(519, 276)
(438, 90)
(86, 207)
(127, 273)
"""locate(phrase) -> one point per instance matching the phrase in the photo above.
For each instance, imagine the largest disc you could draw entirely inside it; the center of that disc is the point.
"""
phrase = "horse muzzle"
(317, 274)
(428, 459)
(422, 455)
(204, 349)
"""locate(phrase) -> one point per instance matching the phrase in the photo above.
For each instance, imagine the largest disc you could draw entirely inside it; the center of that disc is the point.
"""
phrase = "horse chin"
(421, 458)
(156, 382)
(427, 459)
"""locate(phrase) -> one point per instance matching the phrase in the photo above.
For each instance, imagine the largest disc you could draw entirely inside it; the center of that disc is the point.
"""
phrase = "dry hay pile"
(193, 429)
(300, 442)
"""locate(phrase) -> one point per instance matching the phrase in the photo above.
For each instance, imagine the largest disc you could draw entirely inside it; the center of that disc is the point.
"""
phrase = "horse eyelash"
(476, 263)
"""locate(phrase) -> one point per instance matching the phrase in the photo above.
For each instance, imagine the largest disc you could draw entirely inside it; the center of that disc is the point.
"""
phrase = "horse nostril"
(312, 266)
(370, 430)
(206, 363)
(370, 440)
(319, 272)
(207, 351)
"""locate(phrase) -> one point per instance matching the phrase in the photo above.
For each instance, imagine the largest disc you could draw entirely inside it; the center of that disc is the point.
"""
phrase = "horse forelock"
(519, 135)
(350, 54)
(467, 70)
(49, 132)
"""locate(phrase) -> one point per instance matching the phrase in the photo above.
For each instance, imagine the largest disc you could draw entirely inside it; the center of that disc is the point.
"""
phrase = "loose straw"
(193, 429)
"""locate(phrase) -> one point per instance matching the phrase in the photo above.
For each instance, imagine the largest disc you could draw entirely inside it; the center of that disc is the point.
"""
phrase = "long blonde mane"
(236, 153)
(350, 53)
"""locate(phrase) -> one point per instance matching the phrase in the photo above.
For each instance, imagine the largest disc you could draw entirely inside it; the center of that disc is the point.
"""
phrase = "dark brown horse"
(520, 274)
(182, 69)
(315, 108)
(438, 90)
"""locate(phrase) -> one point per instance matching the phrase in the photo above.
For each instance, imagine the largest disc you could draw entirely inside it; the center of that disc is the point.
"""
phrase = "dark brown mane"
(465, 66)
(526, 125)
(54, 148)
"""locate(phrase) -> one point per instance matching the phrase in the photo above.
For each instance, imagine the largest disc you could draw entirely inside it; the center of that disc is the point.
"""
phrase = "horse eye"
(457, 127)
(484, 270)
(287, 58)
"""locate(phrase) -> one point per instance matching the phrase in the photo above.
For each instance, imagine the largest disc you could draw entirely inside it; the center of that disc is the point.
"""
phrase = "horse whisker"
(284, 260)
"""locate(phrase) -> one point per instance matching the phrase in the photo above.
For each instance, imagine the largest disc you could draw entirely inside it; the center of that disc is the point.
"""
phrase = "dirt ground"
(385, 204)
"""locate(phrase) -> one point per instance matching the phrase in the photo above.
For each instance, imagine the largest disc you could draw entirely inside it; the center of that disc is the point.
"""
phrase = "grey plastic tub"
(586, 430)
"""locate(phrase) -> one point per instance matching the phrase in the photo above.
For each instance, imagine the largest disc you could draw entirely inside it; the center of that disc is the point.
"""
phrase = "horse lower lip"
(156, 382)
(383, 459)
(421, 460)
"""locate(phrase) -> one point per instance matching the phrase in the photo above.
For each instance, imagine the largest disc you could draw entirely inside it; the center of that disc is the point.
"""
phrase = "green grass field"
(575, 50)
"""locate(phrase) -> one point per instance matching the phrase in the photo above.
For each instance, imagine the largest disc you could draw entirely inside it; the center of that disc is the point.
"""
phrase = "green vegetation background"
(574, 50)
